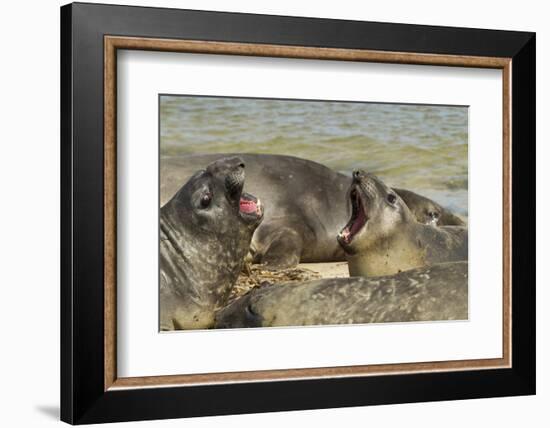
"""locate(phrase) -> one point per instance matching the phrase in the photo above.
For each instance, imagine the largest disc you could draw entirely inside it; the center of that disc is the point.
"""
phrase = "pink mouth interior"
(359, 221)
(247, 206)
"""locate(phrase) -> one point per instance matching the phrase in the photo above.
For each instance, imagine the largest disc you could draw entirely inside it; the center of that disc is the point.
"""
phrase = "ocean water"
(418, 147)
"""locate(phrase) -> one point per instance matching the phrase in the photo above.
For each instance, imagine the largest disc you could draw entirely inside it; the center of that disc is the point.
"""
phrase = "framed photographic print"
(265, 213)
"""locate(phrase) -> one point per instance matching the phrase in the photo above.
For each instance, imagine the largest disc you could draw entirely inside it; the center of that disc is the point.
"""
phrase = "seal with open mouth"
(383, 237)
(430, 293)
(205, 233)
(304, 205)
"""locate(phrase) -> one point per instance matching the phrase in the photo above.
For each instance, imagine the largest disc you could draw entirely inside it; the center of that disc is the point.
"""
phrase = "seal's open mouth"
(358, 220)
(250, 206)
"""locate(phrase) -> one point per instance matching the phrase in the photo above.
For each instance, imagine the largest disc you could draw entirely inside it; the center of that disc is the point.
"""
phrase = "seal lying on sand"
(304, 205)
(430, 293)
(205, 233)
(383, 237)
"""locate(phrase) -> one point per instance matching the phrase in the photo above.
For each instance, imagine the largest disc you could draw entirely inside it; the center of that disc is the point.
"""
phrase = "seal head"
(376, 213)
(428, 211)
(383, 237)
(205, 232)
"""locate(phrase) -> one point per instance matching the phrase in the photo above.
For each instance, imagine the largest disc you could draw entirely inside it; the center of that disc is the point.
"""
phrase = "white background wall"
(29, 213)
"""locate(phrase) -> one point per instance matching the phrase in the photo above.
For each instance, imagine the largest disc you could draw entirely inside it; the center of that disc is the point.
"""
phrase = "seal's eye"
(391, 198)
(205, 200)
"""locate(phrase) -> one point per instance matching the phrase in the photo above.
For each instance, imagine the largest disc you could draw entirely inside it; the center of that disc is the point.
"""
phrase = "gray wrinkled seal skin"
(432, 293)
(305, 205)
(204, 238)
(384, 238)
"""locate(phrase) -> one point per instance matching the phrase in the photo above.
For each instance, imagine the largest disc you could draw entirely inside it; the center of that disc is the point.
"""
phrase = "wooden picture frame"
(91, 391)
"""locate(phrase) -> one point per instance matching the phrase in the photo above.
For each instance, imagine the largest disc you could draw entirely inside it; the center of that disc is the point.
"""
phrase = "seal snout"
(234, 180)
(231, 171)
(358, 174)
(235, 163)
(367, 183)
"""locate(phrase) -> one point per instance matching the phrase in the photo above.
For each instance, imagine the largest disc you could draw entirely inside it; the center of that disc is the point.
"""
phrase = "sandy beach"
(327, 270)
(255, 275)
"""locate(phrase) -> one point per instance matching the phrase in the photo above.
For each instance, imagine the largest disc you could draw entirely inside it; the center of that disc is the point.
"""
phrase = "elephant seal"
(205, 233)
(429, 293)
(427, 211)
(383, 237)
(304, 205)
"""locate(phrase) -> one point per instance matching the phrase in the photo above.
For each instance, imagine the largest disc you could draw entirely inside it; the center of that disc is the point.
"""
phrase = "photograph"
(268, 210)
(291, 212)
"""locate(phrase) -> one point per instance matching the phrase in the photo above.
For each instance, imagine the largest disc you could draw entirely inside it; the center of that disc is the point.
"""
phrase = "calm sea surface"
(421, 148)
